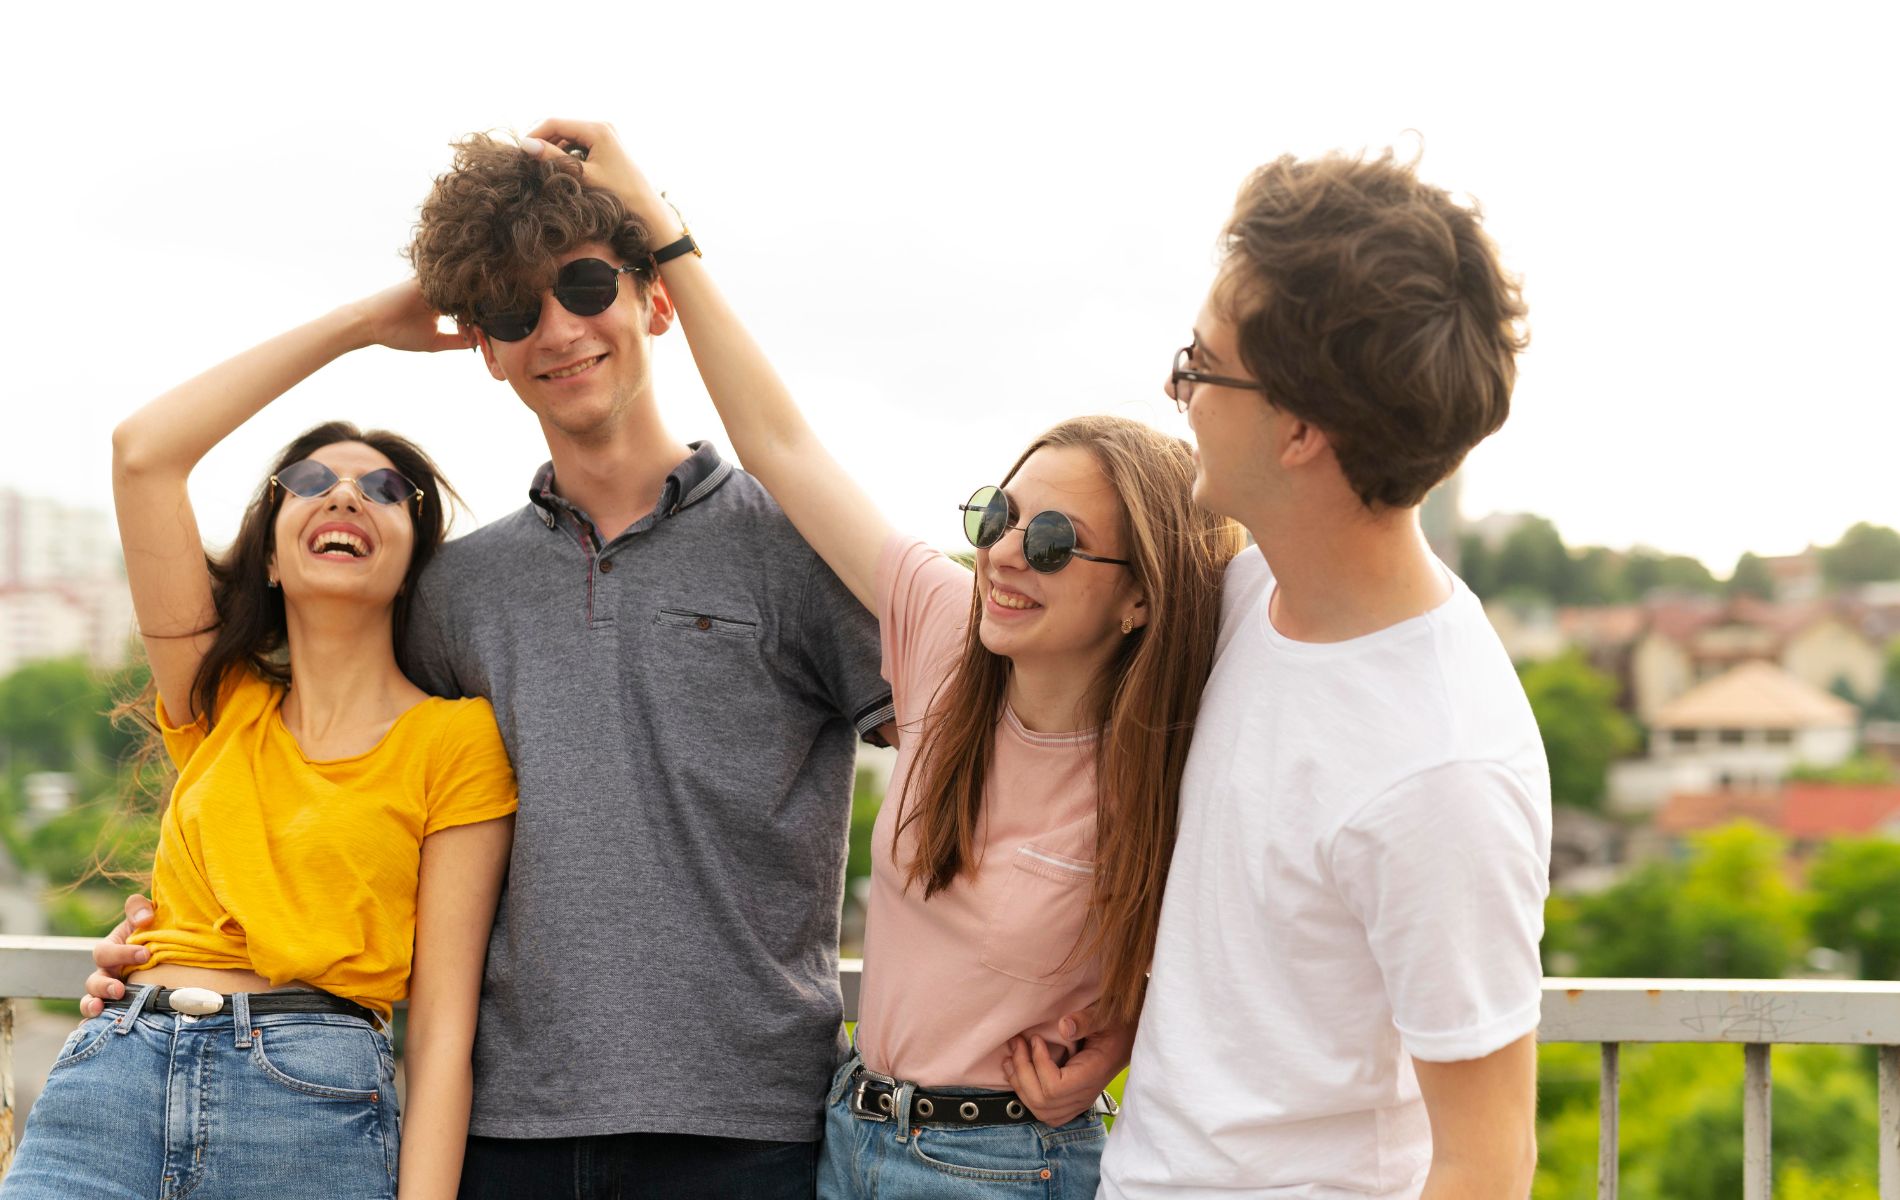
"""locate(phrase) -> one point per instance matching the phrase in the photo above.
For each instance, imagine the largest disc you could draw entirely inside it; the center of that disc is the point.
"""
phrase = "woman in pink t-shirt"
(1043, 707)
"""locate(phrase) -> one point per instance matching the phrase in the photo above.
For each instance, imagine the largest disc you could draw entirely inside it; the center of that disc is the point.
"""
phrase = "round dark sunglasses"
(585, 287)
(310, 479)
(1048, 537)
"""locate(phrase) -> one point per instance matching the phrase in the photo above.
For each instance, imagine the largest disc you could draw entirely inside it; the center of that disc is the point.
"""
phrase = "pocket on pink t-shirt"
(1036, 927)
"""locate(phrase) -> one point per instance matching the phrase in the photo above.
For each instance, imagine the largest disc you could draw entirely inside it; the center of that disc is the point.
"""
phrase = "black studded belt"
(874, 1098)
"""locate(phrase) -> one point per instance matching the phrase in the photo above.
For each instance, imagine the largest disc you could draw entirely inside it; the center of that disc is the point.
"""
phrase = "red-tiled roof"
(1692, 812)
(1823, 810)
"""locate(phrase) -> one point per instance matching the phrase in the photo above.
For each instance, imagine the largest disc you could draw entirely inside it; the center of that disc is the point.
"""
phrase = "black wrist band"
(673, 250)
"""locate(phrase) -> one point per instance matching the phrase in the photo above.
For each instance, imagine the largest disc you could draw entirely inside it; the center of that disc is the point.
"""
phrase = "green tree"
(1596, 577)
(1727, 913)
(1854, 903)
(1751, 577)
(1861, 769)
(1646, 570)
(1583, 730)
(1532, 560)
(1476, 566)
(1867, 553)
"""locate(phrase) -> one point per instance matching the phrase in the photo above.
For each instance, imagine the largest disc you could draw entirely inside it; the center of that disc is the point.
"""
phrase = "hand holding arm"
(1059, 1094)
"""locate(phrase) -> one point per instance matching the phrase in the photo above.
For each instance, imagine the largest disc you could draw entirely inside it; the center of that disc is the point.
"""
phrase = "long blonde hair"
(1147, 697)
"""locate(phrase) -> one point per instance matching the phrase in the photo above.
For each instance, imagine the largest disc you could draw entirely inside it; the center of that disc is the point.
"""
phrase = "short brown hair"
(493, 226)
(1373, 305)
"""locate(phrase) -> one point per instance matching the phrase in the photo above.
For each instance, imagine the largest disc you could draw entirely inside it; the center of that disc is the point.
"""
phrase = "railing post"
(1609, 1109)
(1890, 1123)
(1757, 1122)
(6, 1085)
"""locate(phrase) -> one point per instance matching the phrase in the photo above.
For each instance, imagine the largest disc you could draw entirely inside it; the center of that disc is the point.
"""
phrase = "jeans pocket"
(330, 1062)
(1002, 1154)
(83, 1042)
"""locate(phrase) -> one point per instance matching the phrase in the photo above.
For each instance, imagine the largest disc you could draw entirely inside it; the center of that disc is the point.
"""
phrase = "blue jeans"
(226, 1107)
(897, 1160)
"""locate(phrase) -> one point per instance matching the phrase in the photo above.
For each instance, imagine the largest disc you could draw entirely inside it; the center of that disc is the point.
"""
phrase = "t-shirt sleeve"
(839, 639)
(472, 779)
(1448, 871)
(240, 695)
(924, 597)
(428, 648)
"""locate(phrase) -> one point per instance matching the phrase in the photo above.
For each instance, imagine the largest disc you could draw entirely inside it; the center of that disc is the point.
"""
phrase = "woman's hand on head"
(399, 318)
(608, 166)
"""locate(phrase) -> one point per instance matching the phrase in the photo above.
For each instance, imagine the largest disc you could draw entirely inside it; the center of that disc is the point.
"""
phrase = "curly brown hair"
(493, 225)
(1373, 305)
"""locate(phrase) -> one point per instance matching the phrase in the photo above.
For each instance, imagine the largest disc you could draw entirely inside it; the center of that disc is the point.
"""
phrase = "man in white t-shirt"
(1346, 986)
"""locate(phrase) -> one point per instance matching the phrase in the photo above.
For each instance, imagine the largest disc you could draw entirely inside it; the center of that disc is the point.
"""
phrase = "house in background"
(1744, 730)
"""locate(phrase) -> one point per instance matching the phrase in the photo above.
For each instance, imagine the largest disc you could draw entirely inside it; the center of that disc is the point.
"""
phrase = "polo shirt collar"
(696, 478)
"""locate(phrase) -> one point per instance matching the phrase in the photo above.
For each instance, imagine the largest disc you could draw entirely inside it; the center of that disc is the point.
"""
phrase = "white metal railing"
(1753, 1014)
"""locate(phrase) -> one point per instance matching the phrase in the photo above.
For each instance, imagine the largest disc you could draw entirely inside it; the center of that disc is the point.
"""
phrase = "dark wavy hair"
(249, 628)
(492, 227)
(1373, 305)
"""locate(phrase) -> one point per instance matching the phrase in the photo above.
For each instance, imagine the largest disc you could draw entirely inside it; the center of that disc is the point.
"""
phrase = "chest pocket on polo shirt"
(692, 621)
(1038, 915)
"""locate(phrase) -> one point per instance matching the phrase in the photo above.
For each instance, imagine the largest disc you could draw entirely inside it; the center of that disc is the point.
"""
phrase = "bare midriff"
(170, 975)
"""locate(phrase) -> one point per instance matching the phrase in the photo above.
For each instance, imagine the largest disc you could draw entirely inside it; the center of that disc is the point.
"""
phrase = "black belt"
(875, 1099)
(262, 1003)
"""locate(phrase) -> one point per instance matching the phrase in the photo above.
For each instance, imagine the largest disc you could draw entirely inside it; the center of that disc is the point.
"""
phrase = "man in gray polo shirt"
(680, 682)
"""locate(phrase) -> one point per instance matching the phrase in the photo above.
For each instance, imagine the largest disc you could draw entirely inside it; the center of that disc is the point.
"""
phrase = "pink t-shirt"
(949, 980)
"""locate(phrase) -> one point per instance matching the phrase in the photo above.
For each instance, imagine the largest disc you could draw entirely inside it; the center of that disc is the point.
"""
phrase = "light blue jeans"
(897, 1160)
(225, 1107)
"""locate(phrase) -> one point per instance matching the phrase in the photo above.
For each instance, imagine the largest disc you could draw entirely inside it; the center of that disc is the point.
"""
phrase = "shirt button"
(606, 565)
(703, 623)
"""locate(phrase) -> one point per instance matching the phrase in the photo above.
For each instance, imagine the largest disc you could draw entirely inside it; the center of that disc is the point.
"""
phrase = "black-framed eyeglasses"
(309, 479)
(585, 287)
(1048, 537)
(1182, 379)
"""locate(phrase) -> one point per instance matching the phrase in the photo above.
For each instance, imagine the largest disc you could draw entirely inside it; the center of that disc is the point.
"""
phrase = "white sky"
(955, 225)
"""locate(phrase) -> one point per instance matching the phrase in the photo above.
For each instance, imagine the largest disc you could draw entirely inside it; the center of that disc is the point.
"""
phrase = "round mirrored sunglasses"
(585, 287)
(1048, 537)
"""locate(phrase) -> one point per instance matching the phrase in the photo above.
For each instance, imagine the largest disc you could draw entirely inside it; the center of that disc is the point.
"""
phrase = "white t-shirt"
(1360, 877)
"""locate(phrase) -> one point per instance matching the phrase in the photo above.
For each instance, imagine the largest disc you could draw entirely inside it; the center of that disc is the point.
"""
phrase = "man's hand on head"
(608, 166)
(113, 955)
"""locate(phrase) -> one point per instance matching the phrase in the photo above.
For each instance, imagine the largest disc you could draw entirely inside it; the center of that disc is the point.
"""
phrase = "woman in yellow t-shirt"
(336, 838)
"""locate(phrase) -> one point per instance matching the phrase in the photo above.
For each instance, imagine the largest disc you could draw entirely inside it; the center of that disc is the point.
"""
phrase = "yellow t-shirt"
(302, 870)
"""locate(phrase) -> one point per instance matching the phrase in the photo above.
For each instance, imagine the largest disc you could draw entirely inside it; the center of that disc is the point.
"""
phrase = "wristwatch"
(673, 250)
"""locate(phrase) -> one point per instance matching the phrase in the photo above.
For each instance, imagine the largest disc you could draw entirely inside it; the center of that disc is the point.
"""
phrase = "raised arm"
(768, 431)
(155, 449)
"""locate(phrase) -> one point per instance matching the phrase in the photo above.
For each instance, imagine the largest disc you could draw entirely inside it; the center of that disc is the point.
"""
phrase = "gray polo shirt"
(682, 706)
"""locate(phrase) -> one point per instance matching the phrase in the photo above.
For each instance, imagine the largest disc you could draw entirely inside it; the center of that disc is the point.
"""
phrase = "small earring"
(1128, 624)
(272, 582)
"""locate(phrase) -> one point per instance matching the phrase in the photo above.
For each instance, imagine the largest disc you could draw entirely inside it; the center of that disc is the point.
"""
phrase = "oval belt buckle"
(195, 1001)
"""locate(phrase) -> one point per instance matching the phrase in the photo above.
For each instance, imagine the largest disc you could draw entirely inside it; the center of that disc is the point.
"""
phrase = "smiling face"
(581, 375)
(340, 546)
(1073, 617)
